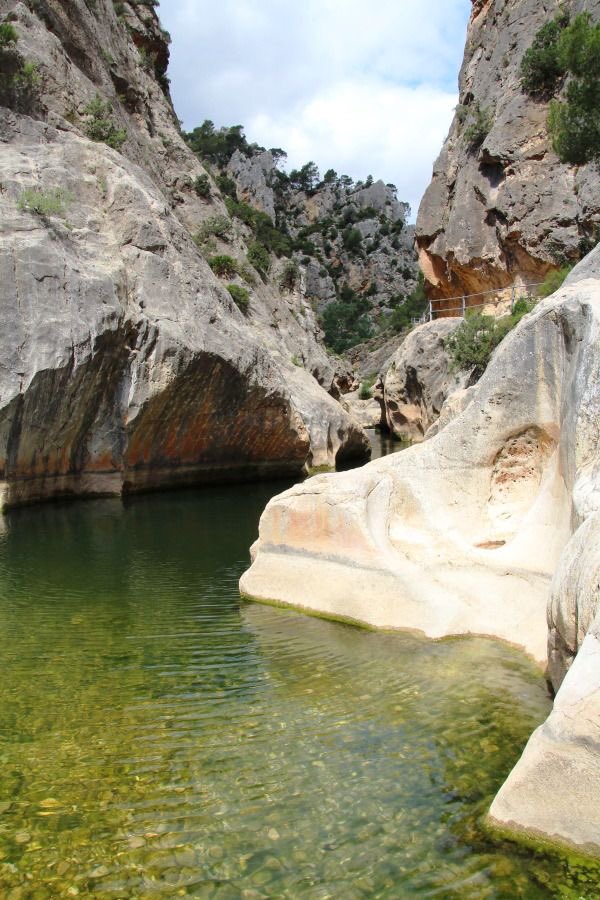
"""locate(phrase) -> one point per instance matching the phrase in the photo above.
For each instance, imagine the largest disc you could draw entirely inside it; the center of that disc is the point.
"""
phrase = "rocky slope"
(506, 208)
(333, 240)
(462, 534)
(124, 362)
(346, 234)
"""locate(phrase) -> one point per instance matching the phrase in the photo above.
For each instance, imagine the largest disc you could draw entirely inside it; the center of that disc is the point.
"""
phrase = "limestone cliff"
(505, 208)
(419, 379)
(124, 362)
(379, 265)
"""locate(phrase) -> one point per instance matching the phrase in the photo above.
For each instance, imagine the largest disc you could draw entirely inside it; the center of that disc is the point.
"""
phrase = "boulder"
(419, 379)
(552, 793)
(466, 533)
(366, 412)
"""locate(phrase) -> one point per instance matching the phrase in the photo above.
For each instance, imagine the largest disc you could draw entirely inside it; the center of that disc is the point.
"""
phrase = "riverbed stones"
(464, 533)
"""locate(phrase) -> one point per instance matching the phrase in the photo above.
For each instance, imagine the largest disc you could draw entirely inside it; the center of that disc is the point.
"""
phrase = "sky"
(365, 88)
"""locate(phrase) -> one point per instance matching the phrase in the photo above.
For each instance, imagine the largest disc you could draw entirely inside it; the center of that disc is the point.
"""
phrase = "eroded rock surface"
(124, 362)
(367, 411)
(419, 379)
(553, 791)
(504, 209)
(463, 534)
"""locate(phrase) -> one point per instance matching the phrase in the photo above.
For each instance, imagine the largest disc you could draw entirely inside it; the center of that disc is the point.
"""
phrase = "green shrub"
(227, 186)
(345, 322)
(240, 296)
(480, 121)
(305, 179)
(44, 203)
(100, 127)
(202, 185)
(589, 241)
(258, 256)
(216, 226)
(574, 125)
(301, 245)
(27, 79)
(247, 273)
(369, 212)
(217, 145)
(553, 281)
(222, 264)
(413, 307)
(562, 50)
(261, 224)
(472, 344)
(19, 80)
(289, 276)
(462, 112)
(541, 68)
(8, 35)
(352, 240)
(365, 391)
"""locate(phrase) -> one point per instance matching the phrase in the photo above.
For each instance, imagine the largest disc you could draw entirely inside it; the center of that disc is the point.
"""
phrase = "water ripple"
(157, 737)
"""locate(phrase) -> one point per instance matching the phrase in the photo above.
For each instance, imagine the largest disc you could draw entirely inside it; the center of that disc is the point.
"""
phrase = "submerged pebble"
(159, 737)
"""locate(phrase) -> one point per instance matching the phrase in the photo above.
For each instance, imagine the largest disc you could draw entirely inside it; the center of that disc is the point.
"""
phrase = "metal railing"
(462, 306)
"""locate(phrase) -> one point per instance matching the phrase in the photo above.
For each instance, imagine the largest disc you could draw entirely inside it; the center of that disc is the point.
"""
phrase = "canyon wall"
(125, 363)
(504, 210)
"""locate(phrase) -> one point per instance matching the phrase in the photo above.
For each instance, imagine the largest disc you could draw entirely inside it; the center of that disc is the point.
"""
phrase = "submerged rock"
(463, 534)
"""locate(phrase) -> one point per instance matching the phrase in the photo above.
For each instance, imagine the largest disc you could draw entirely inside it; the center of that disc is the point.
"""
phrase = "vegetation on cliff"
(472, 344)
(19, 78)
(565, 51)
(344, 245)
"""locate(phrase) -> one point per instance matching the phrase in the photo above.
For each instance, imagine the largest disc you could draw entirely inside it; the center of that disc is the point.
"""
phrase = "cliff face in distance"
(507, 209)
(330, 240)
(340, 233)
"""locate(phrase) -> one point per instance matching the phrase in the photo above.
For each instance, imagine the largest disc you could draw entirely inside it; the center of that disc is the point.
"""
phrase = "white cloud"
(362, 88)
(365, 128)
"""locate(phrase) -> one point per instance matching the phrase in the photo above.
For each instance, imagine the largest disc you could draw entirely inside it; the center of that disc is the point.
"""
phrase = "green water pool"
(160, 738)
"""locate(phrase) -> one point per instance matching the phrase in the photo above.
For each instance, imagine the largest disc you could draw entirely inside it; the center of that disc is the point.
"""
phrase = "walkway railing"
(462, 303)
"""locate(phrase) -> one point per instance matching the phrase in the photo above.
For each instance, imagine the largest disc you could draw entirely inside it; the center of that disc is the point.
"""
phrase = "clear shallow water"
(158, 738)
